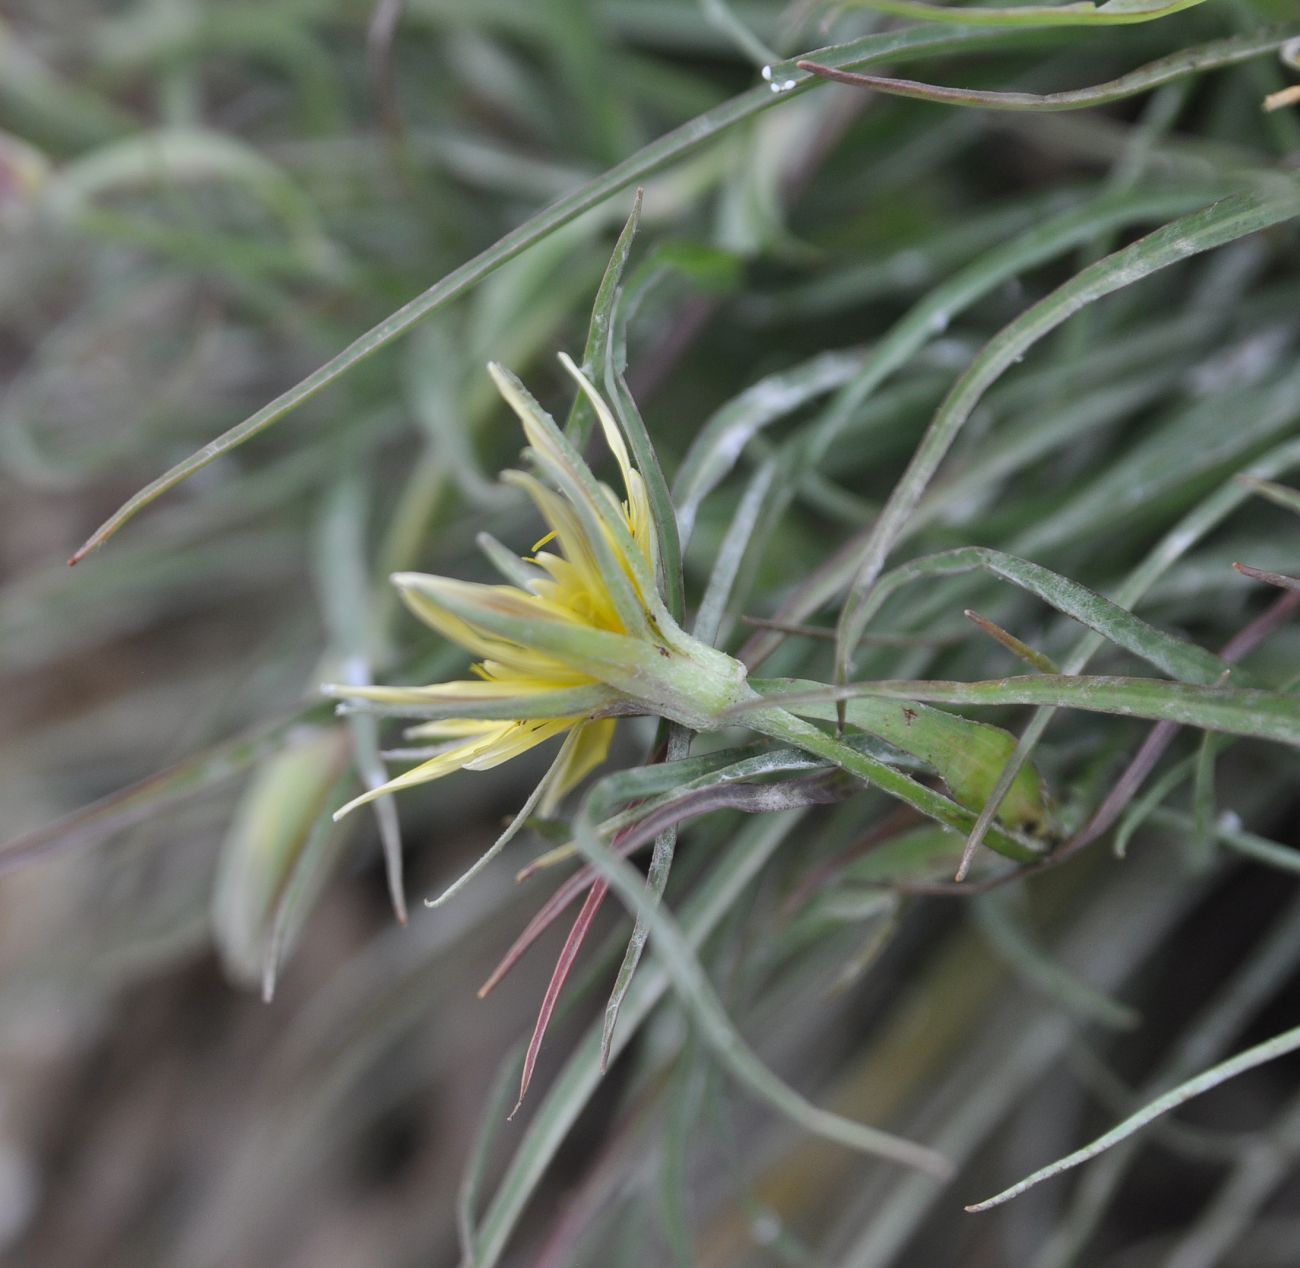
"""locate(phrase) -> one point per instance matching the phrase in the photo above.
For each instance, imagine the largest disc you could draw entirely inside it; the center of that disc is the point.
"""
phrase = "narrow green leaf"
(714, 451)
(646, 459)
(1249, 845)
(922, 323)
(661, 862)
(1203, 797)
(1225, 221)
(1080, 13)
(1217, 1020)
(721, 15)
(1174, 656)
(895, 45)
(1180, 539)
(968, 756)
(1003, 930)
(781, 724)
(604, 362)
(595, 353)
(1283, 495)
(740, 533)
(504, 1092)
(1269, 1050)
(1263, 715)
(698, 997)
(736, 869)
(1166, 70)
(649, 790)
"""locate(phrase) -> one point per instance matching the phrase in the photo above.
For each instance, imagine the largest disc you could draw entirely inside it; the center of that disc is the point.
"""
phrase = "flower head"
(579, 636)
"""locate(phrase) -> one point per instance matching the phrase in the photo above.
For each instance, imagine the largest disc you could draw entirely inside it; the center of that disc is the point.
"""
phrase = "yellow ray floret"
(545, 651)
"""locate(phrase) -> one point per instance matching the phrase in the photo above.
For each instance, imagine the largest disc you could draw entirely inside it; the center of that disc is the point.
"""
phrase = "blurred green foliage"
(867, 333)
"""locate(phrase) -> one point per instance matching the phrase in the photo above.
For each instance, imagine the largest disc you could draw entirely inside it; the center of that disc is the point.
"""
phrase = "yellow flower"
(580, 635)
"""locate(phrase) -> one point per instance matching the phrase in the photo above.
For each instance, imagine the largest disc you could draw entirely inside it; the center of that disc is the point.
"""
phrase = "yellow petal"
(543, 440)
(641, 520)
(452, 729)
(554, 453)
(637, 513)
(608, 425)
(482, 603)
(585, 749)
(451, 627)
(566, 529)
(435, 768)
(489, 748)
(518, 739)
(423, 593)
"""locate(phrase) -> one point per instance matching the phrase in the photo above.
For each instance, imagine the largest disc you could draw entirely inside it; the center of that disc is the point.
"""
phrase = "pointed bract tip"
(411, 580)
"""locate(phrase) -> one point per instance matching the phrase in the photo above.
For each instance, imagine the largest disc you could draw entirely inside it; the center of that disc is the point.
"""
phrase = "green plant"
(997, 347)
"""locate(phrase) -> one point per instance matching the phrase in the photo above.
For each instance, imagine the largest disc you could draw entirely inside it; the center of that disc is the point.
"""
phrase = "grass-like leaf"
(670, 148)
(1222, 222)
(719, 1034)
(698, 918)
(1269, 1050)
(1166, 70)
(1079, 13)
(1263, 715)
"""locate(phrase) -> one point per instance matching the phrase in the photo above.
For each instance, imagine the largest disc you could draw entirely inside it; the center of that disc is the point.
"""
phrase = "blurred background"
(201, 202)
